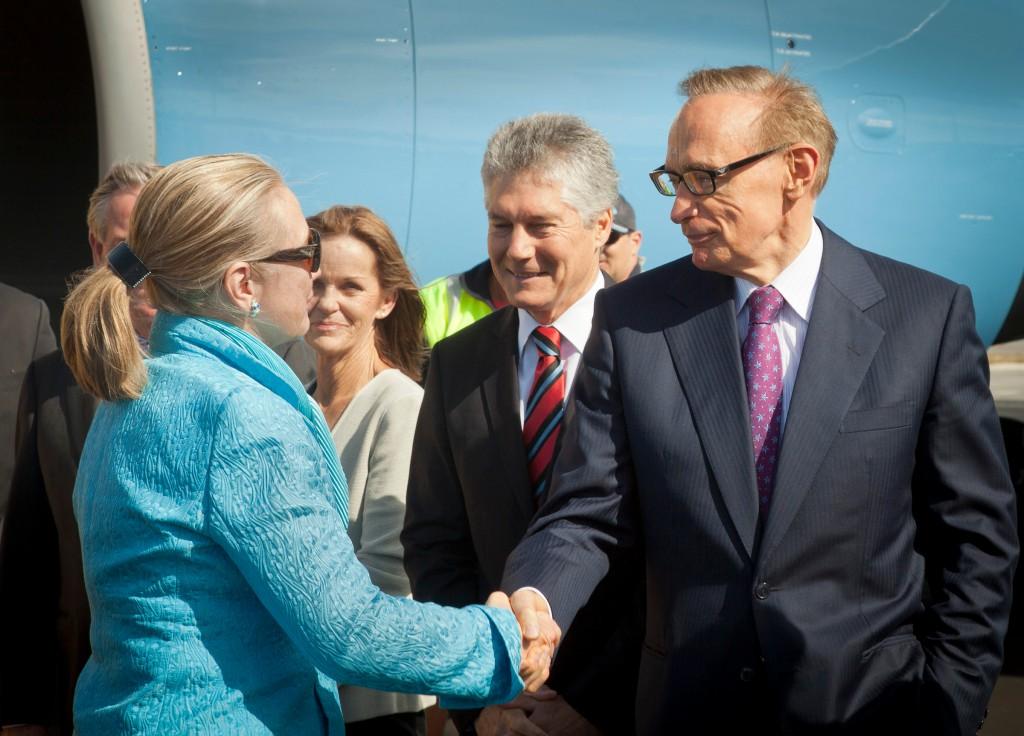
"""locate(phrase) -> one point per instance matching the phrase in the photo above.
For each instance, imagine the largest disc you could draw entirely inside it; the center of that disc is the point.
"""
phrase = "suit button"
(762, 590)
(747, 674)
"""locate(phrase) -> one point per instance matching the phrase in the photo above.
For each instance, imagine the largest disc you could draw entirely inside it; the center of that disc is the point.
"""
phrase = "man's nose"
(684, 205)
(520, 244)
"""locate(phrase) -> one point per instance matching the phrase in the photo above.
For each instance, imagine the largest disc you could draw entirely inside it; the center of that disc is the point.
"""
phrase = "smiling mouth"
(526, 275)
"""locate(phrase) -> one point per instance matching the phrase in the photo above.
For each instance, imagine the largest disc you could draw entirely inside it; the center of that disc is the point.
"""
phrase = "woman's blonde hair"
(191, 221)
(399, 336)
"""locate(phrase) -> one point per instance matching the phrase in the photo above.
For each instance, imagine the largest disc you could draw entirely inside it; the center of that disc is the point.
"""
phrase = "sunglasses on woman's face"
(306, 256)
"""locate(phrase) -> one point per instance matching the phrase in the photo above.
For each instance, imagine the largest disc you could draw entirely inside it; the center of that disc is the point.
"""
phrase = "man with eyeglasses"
(800, 437)
(620, 256)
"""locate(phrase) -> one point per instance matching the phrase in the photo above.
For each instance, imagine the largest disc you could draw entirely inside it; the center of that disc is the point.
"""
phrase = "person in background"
(110, 207)
(26, 335)
(226, 596)
(457, 301)
(620, 256)
(44, 623)
(366, 327)
(488, 430)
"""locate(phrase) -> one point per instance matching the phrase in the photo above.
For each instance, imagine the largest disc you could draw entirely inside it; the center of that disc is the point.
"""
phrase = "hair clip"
(127, 265)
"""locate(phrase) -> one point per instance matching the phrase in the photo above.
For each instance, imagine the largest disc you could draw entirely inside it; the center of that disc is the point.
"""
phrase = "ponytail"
(98, 339)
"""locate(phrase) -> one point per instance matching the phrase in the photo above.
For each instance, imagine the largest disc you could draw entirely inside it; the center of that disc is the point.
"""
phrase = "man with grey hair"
(110, 206)
(490, 424)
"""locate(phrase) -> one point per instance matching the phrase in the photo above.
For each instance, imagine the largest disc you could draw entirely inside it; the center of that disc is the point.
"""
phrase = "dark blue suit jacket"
(875, 594)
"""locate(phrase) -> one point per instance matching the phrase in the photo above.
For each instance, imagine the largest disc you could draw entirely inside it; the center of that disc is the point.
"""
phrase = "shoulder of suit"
(13, 298)
(486, 329)
(652, 284)
(893, 274)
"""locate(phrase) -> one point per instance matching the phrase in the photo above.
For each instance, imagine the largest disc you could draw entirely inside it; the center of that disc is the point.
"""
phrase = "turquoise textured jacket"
(225, 594)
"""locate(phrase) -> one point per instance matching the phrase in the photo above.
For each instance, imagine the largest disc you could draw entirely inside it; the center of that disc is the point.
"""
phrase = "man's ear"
(238, 285)
(637, 239)
(96, 247)
(802, 162)
(603, 227)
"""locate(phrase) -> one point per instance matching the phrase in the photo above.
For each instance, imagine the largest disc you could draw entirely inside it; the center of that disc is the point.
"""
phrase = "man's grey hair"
(125, 175)
(561, 149)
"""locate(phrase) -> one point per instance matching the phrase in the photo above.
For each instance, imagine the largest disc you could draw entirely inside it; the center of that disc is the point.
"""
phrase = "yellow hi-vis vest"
(451, 305)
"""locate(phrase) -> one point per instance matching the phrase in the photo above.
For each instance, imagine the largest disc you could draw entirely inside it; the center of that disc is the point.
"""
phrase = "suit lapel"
(840, 345)
(704, 346)
(500, 389)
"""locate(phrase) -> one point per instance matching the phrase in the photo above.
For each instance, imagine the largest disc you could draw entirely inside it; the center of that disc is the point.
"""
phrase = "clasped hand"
(540, 633)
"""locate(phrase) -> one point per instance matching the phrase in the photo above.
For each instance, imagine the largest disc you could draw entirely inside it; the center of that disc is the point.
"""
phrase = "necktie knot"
(548, 341)
(765, 303)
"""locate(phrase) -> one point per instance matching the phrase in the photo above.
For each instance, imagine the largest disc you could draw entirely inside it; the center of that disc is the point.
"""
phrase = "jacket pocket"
(904, 638)
(881, 417)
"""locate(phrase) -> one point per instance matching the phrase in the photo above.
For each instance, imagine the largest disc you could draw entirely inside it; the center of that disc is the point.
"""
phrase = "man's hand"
(509, 719)
(540, 636)
(552, 714)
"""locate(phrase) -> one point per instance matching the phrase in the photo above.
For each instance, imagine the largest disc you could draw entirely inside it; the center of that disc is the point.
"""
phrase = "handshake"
(539, 711)
(540, 633)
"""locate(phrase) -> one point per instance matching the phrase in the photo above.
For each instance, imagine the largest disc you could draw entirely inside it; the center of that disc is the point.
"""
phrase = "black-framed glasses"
(306, 256)
(701, 182)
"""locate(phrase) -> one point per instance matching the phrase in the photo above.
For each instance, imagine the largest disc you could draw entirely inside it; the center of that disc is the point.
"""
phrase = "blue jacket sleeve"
(268, 508)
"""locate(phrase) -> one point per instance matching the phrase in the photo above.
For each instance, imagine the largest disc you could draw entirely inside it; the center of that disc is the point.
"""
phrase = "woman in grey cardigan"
(366, 326)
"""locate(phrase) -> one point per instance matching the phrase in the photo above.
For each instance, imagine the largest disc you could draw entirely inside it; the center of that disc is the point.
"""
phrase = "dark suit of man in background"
(800, 436)
(25, 334)
(44, 619)
(478, 469)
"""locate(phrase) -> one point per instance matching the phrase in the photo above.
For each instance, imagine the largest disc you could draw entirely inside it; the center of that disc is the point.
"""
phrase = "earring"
(254, 308)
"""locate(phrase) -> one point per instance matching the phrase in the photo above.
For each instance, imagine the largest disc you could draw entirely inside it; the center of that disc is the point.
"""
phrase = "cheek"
(496, 246)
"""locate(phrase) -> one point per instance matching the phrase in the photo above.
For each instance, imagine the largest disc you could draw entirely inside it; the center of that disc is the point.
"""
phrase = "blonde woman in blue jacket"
(226, 597)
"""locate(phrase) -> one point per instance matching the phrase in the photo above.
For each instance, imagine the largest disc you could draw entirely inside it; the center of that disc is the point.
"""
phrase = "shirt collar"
(574, 324)
(796, 283)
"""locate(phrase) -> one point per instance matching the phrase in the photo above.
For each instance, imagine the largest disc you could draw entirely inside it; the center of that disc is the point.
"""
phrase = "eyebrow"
(693, 166)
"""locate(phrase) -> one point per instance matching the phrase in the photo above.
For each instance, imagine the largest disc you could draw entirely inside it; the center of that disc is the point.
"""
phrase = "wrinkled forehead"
(711, 130)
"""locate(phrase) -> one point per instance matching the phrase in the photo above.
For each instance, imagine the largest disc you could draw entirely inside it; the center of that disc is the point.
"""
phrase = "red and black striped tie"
(545, 408)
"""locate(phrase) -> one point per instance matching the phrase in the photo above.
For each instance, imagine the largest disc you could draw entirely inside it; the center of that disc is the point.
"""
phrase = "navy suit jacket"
(875, 594)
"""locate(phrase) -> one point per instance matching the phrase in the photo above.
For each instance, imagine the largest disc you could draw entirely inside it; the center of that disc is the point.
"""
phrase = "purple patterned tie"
(762, 367)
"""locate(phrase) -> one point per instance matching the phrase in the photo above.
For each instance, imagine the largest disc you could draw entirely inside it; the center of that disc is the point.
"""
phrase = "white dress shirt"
(797, 283)
(574, 325)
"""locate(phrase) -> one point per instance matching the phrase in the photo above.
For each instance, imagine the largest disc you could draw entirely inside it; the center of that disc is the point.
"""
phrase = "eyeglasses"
(701, 182)
(307, 256)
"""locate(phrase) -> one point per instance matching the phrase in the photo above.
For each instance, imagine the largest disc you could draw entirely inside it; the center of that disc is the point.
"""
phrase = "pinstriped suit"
(875, 594)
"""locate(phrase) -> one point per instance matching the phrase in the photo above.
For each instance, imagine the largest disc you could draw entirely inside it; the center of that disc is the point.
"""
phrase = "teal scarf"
(263, 365)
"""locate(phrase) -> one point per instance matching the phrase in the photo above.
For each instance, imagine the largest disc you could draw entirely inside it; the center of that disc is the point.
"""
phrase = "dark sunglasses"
(614, 235)
(306, 256)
